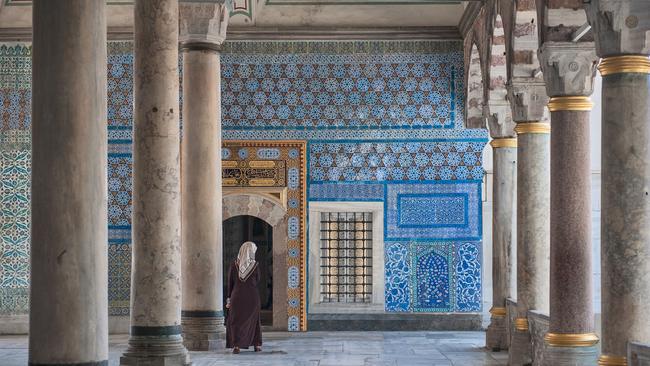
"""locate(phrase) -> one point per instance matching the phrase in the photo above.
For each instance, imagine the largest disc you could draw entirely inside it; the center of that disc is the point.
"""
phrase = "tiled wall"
(15, 165)
(383, 121)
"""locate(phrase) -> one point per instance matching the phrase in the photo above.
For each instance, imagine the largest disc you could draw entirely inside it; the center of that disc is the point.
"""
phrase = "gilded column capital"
(620, 27)
(203, 23)
(499, 119)
(569, 68)
(527, 99)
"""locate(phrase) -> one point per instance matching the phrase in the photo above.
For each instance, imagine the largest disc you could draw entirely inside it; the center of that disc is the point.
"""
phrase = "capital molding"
(203, 23)
(527, 99)
(569, 68)
(499, 119)
(620, 27)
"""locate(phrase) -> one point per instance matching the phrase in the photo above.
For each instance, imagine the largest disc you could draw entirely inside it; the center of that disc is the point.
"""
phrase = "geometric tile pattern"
(322, 88)
(396, 161)
(436, 211)
(120, 84)
(119, 190)
(433, 277)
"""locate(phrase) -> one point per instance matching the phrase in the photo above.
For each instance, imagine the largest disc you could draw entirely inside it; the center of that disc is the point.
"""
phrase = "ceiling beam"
(283, 33)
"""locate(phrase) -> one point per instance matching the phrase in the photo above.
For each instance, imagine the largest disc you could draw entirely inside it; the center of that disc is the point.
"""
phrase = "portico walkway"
(324, 349)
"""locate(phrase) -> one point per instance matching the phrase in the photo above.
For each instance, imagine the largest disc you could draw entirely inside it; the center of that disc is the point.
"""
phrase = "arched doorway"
(242, 228)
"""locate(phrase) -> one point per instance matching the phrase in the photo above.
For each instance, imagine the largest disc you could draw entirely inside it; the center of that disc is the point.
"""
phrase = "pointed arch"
(475, 90)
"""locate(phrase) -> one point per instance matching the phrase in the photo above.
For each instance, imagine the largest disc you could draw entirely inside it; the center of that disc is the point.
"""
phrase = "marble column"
(155, 337)
(622, 34)
(202, 312)
(503, 220)
(528, 99)
(68, 318)
(569, 71)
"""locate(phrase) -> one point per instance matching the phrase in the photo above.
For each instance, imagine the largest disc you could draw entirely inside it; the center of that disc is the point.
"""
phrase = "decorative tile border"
(341, 47)
(346, 192)
(293, 154)
(426, 228)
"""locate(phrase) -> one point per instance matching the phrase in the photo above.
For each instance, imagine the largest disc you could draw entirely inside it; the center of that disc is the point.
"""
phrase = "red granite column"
(569, 69)
(571, 271)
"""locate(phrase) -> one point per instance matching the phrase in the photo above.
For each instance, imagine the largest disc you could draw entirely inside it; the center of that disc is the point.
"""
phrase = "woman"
(243, 302)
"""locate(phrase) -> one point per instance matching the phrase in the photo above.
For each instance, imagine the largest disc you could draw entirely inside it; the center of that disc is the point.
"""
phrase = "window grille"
(346, 257)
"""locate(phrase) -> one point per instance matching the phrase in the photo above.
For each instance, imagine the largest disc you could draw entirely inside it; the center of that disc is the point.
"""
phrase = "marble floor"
(324, 349)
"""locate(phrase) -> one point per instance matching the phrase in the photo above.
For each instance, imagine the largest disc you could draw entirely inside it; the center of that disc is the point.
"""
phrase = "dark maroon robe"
(243, 327)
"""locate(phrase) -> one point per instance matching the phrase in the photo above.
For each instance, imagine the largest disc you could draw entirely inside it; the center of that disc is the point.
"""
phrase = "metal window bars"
(346, 257)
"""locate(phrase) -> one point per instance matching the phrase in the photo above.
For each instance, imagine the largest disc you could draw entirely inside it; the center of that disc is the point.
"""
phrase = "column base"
(155, 351)
(203, 333)
(496, 337)
(520, 352)
(571, 356)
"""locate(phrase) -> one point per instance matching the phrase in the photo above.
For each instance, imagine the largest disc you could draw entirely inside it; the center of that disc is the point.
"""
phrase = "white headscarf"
(246, 259)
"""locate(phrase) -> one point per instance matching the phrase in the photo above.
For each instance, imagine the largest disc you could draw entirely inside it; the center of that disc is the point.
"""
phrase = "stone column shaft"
(202, 315)
(202, 31)
(503, 234)
(69, 270)
(569, 70)
(621, 31)
(533, 232)
(625, 249)
(156, 276)
(571, 270)
(528, 99)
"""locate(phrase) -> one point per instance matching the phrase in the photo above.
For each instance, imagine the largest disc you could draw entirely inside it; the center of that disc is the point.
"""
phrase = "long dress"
(243, 327)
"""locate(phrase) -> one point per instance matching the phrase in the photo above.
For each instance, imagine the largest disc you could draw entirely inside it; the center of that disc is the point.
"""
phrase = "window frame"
(378, 271)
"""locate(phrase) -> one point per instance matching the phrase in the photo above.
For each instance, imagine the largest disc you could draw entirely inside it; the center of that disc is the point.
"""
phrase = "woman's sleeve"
(231, 280)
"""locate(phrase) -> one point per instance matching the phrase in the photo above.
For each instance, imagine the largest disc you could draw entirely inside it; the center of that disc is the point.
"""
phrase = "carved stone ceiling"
(291, 13)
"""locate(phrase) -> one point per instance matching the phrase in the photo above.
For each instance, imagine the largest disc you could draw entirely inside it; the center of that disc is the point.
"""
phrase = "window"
(346, 257)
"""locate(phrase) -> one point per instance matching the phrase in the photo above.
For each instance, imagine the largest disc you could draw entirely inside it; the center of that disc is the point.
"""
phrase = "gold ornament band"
(626, 64)
(498, 312)
(573, 103)
(521, 324)
(504, 142)
(571, 340)
(608, 360)
(532, 127)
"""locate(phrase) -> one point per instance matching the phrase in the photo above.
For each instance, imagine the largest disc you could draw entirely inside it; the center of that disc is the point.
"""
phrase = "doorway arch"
(272, 213)
(243, 228)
